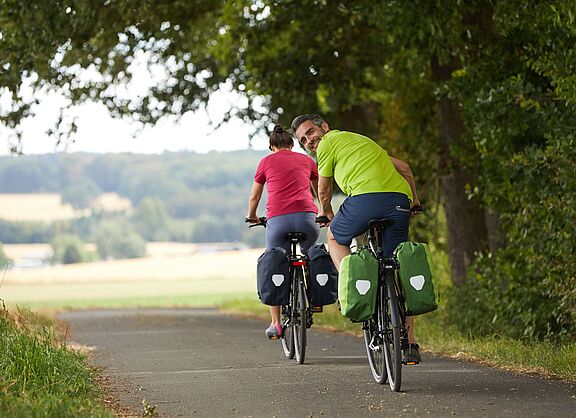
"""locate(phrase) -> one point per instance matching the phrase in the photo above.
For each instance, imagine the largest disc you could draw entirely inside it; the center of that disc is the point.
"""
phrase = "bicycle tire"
(300, 316)
(392, 342)
(288, 328)
(374, 341)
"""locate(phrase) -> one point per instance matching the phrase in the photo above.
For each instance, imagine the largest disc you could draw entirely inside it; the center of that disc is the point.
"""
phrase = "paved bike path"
(201, 363)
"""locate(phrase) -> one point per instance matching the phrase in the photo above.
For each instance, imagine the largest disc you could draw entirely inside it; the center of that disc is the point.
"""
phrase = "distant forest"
(182, 196)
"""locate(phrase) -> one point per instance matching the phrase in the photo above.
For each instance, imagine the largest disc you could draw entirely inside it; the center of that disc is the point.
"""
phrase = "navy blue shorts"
(353, 216)
(278, 226)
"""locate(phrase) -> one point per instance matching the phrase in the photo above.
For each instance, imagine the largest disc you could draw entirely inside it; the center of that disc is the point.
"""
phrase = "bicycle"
(297, 314)
(385, 334)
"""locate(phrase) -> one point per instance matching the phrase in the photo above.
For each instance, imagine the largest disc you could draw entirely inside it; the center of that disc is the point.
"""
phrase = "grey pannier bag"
(273, 277)
(323, 289)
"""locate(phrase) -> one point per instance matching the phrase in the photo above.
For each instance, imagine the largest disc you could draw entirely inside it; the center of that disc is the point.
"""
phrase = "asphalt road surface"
(201, 363)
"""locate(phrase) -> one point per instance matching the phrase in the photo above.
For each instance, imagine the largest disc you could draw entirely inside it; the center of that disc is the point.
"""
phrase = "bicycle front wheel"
(392, 344)
(300, 315)
(374, 340)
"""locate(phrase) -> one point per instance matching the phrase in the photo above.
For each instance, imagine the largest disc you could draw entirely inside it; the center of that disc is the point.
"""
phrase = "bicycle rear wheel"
(392, 343)
(374, 341)
(300, 315)
(288, 328)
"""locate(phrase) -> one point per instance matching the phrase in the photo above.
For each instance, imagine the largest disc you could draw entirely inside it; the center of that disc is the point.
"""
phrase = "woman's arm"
(255, 195)
(314, 184)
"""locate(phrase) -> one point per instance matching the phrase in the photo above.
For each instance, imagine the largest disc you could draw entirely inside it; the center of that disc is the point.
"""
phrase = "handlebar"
(324, 219)
(261, 222)
(416, 209)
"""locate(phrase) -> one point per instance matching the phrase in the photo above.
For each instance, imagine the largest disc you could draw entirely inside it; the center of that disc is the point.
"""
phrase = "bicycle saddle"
(379, 223)
(298, 236)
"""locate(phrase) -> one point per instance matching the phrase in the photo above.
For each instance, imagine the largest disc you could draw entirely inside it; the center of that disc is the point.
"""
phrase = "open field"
(164, 279)
(48, 206)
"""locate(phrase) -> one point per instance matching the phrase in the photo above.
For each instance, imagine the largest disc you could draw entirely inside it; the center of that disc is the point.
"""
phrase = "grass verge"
(41, 376)
(172, 301)
(539, 358)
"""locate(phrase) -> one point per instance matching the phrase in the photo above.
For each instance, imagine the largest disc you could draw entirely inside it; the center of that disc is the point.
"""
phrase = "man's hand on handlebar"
(417, 209)
(323, 220)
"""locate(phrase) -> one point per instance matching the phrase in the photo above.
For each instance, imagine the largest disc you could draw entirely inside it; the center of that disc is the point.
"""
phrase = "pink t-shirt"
(287, 176)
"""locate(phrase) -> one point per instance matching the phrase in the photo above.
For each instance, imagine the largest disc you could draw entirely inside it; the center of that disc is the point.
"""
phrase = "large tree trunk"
(361, 118)
(467, 232)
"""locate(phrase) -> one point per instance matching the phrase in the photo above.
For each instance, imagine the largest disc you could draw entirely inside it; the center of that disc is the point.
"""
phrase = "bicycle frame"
(297, 314)
(388, 264)
(299, 317)
(385, 333)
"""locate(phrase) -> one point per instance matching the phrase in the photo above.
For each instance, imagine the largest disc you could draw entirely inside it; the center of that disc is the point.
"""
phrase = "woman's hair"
(280, 138)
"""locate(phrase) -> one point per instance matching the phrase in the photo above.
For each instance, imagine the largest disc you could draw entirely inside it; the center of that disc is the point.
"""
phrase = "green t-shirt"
(358, 164)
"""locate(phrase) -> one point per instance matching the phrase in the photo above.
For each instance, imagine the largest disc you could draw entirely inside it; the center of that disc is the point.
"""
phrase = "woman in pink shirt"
(290, 205)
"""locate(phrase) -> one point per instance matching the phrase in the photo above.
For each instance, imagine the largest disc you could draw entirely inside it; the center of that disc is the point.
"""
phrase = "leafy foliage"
(178, 196)
(80, 194)
(69, 249)
(24, 232)
(116, 240)
(519, 105)
(4, 260)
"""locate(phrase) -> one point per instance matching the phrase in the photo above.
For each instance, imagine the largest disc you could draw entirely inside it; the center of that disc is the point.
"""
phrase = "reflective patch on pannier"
(278, 279)
(322, 279)
(363, 286)
(417, 282)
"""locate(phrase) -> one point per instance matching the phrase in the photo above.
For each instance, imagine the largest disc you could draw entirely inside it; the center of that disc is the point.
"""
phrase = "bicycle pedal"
(410, 363)
(316, 309)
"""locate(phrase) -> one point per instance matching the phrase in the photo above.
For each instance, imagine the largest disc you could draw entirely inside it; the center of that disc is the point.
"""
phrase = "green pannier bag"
(417, 277)
(357, 282)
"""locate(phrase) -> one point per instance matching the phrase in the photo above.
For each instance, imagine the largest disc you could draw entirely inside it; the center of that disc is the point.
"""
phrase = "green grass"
(201, 300)
(543, 358)
(41, 377)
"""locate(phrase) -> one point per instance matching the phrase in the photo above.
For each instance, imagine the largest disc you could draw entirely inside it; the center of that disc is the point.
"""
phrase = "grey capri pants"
(278, 226)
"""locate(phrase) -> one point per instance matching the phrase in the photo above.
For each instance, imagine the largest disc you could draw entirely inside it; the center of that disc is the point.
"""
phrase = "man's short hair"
(299, 120)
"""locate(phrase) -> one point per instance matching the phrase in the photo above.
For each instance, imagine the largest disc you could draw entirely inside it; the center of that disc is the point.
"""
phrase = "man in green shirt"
(377, 186)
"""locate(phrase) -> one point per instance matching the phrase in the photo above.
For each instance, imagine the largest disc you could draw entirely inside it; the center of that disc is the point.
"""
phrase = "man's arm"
(255, 195)
(405, 171)
(314, 184)
(325, 187)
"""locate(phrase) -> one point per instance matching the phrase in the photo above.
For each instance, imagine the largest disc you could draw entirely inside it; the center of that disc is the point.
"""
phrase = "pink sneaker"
(274, 332)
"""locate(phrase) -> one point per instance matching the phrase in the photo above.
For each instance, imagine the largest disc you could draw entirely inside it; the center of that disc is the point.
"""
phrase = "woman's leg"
(276, 230)
(275, 315)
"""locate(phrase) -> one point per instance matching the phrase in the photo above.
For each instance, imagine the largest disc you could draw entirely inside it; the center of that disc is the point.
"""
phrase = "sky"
(98, 132)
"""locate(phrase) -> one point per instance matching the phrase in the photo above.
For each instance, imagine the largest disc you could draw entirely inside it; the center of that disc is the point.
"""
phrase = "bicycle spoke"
(392, 344)
(373, 339)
